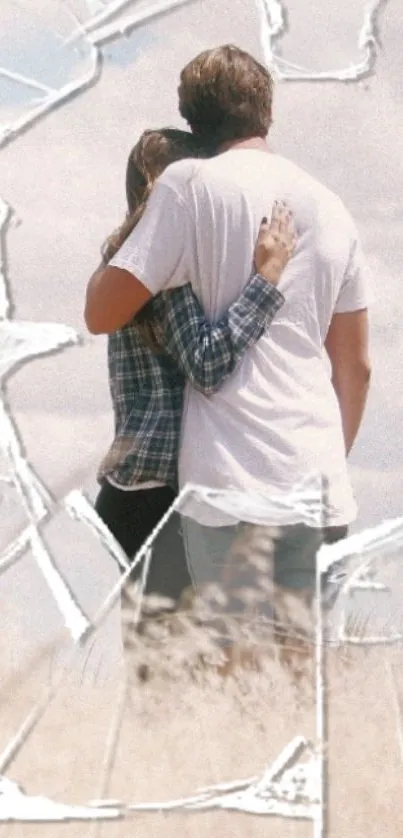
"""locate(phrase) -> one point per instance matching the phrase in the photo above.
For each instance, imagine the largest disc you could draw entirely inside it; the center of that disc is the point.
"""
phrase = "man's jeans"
(258, 565)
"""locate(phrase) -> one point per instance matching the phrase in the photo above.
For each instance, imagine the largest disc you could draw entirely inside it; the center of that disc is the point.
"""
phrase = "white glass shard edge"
(272, 25)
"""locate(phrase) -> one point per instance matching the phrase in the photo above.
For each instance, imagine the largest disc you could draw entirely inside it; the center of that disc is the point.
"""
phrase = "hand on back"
(275, 243)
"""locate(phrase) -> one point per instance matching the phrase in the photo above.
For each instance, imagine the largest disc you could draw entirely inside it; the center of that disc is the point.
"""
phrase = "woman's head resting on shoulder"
(154, 151)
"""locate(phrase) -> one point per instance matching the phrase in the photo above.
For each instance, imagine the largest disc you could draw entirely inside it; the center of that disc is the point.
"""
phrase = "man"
(279, 417)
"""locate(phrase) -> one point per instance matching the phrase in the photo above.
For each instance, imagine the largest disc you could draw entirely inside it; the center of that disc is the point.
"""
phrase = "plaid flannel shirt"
(147, 389)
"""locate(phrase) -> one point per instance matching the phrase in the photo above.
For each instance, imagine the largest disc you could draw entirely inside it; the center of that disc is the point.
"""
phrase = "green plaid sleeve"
(208, 353)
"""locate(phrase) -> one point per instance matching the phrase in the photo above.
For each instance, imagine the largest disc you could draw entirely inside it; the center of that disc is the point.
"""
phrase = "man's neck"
(250, 143)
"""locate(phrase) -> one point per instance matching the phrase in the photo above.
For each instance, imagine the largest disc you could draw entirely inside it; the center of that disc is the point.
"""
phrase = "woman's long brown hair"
(154, 151)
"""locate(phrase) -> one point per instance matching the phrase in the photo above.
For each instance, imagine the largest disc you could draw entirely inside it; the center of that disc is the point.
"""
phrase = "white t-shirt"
(276, 419)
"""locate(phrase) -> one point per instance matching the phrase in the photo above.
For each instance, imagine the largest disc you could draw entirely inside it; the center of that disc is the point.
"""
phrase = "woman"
(150, 359)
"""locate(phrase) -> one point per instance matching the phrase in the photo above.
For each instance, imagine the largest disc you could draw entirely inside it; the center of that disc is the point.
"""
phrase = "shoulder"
(327, 202)
(177, 177)
(332, 214)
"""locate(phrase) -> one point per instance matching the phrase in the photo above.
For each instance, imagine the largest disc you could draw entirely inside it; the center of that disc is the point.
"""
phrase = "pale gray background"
(65, 180)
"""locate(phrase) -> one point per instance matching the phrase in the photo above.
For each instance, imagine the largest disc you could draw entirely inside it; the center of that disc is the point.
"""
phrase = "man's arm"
(347, 347)
(152, 258)
(208, 353)
(114, 296)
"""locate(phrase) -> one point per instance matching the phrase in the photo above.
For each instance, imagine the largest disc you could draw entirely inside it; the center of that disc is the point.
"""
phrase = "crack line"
(273, 25)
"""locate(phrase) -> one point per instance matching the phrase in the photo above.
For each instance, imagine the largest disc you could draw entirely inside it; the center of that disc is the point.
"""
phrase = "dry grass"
(184, 726)
(179, 735)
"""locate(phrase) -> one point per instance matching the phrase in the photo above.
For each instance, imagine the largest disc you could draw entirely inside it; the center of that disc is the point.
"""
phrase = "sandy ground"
(176, 738)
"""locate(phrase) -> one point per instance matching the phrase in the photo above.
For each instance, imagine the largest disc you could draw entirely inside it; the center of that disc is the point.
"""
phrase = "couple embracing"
(233, 280)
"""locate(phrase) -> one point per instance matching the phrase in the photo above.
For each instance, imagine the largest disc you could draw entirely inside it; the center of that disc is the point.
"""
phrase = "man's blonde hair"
(226, 95)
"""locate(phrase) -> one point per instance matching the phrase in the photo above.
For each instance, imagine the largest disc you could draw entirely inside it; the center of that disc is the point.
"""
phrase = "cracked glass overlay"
(289, 787)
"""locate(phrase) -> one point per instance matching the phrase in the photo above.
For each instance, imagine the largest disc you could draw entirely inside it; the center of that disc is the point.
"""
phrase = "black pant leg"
(131, 516)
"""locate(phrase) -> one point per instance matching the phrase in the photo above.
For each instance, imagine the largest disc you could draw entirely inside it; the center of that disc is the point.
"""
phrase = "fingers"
(276, 242)
(278, 217)
(282, 225)
(282, 218)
